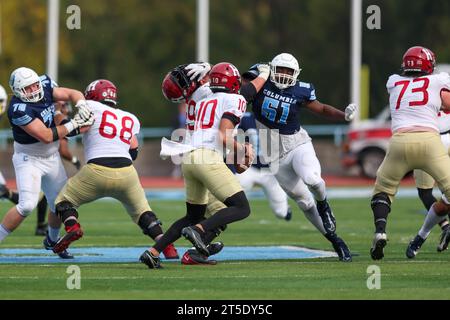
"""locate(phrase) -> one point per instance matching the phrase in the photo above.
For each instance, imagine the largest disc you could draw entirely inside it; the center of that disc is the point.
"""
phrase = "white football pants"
(265, 179)
(34, 173)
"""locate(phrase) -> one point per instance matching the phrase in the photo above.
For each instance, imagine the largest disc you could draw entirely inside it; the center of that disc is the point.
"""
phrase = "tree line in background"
(135, 42)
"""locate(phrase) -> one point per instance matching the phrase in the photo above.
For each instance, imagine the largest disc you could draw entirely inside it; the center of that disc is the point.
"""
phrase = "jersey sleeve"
(307, 91)
(48, 85)
(445, 81)
(234, 107)
(21, 114)
(136, 126)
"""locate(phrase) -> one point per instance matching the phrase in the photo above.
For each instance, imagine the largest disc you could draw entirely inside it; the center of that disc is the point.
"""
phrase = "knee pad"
(150, 225)
(239, 200)
(25, 207)
(148, 221)
(304, 203)
(65, 210)
(381, 199)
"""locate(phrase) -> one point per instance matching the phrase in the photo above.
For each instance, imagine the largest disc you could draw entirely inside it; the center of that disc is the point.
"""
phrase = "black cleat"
(194, 237)
(288, 216)
(414, 246)
(150, 260)
(445, 239)
(342, 250)
(215, 247)
(41, 230)
(378, 244)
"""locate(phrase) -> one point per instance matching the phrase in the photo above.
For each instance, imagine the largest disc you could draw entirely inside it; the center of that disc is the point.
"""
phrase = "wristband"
(69, 126)
(55, 134)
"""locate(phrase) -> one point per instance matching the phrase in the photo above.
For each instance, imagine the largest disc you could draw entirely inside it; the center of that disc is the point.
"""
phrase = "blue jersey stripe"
(22, 121)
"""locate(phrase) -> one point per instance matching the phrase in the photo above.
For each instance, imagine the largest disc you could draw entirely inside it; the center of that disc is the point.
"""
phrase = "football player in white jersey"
(425, 184)
(190, 83)
(415, 97)
(110, 147)
(36, 139)
(215, 119)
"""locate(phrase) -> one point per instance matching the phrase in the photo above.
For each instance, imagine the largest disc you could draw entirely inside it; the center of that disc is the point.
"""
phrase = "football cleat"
(49, 244)
(193, 257)
(445, 239)
(288, 216)
(215, 247)
(378, 244)
(342, 250)
(151, 261)
(73, 233)
(194, 237)
(170, 252)
(414, 246)
(41, 230)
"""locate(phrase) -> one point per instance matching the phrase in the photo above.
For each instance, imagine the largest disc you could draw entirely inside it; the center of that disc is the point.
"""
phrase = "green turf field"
(106, 224)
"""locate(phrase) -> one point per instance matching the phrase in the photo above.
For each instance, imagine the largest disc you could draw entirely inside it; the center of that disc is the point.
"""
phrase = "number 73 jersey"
(208, 114)
(416, 101)
(111, 133)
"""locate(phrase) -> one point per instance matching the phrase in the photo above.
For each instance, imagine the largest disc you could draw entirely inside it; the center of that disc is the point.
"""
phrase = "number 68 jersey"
(111, 133)
(416, 101)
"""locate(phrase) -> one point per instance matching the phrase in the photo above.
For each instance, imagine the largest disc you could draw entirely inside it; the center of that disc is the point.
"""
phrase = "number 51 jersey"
(416, 101)
(111, 133)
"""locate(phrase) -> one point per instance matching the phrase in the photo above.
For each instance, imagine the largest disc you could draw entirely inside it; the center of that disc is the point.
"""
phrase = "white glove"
(83, 109)
(264, 71)
(350, 112)
(78, 121)
(197, 70)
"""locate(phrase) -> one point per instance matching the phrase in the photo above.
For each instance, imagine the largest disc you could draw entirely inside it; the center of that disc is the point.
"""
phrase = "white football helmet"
(22, 78)
(3, 100)
(280, 79)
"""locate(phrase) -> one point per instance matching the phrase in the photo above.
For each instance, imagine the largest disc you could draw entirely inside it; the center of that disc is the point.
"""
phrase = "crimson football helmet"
(225, 77)
(419, 59)
(176, 85)
(102, 90)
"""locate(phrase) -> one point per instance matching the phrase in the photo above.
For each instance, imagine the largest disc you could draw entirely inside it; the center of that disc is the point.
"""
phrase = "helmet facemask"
(284, 70)
(33, 96)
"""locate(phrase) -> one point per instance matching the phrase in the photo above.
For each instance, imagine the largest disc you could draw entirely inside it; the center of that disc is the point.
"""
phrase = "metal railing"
(338, 133)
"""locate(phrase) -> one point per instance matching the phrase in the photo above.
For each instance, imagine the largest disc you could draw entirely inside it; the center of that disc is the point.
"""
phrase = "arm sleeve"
(248, 91)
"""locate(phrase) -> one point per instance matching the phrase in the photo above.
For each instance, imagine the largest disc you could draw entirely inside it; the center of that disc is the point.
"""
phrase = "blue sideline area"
(131, 254)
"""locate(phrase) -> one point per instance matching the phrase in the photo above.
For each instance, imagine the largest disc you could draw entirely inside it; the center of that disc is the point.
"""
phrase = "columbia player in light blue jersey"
(277, 112)
(36, 140)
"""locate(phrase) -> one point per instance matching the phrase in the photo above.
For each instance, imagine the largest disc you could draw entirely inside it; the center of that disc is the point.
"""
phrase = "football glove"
(78, 121)
(264, 71)
(350, 112)
(197, 70)
(83, 109)
(76, 162)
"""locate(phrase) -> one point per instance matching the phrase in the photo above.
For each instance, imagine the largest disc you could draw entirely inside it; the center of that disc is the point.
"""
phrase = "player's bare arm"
(38, 130)
(445, 96)
(66, 94)
(325, 110)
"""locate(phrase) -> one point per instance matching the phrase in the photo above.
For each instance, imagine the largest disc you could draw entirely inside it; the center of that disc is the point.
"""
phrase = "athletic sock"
(313, 216)
(3, 232)
(430, 221)
(53, 233)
